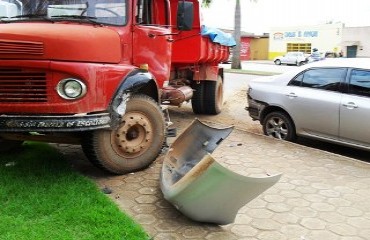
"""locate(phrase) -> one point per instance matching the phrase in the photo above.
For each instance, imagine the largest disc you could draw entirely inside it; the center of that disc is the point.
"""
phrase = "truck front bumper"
(54, 123)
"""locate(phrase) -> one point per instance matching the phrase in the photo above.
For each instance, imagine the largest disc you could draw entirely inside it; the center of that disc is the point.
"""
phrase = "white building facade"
(326, 38)
(355, 42)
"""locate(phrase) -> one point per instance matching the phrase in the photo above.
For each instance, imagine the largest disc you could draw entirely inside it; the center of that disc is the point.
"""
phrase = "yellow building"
(259, 48)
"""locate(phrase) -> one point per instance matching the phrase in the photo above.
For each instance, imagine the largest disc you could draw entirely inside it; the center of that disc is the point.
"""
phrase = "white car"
(294, 58)
(327, 100)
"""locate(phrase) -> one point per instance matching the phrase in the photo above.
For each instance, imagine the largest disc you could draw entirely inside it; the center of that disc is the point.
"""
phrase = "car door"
(313, 98)
(355, 109)
(290, 58)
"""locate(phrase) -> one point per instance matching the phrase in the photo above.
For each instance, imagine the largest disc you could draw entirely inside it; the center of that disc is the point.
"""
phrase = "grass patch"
(41, 197)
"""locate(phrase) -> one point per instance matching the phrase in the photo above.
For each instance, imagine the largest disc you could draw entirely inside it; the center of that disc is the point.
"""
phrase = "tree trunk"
(237, 35)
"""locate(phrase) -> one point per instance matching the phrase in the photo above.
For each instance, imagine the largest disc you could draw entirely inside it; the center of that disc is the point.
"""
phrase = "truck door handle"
(350, 105)
(291, 95)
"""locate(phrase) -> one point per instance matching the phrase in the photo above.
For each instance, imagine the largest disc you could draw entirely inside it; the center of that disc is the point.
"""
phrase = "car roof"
(342, 62)
(361, 63)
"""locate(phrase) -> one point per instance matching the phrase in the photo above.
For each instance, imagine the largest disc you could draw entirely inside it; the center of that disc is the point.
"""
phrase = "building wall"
(259, 49)
(325, 38)
(356, 36)
(253, 48)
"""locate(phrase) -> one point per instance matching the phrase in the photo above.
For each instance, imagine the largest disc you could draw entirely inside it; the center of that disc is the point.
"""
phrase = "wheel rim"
(134, 135)
(277, 128)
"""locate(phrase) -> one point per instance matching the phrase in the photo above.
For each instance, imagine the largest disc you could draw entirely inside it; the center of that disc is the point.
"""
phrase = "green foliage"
(41, 197)
(206, 3)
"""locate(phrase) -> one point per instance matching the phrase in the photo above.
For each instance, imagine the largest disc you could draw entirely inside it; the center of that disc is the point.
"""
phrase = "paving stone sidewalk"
(321, 196)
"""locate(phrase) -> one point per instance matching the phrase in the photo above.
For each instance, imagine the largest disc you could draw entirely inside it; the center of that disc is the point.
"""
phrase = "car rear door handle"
(291, 95)
(350, 105)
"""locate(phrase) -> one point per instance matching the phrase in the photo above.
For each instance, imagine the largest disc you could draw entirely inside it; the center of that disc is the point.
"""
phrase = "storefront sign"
(307, 34)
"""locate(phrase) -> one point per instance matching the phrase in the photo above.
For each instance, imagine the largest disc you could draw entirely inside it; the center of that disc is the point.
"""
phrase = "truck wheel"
(134, 144)
(213, 96)
(9, 145)
(197, 101)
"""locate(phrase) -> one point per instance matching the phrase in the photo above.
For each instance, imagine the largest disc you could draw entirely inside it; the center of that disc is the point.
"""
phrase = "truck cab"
(96, 73)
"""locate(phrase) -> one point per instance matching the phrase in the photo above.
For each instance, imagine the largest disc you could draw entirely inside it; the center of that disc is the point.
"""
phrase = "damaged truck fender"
(137, 82)
(138, 132)
(201, 188)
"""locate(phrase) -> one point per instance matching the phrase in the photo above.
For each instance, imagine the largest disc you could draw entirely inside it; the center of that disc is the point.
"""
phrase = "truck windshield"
(111, 12)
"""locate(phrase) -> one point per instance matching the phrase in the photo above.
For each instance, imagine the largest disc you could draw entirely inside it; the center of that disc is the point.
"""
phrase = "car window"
(359, 83)
(320, 78)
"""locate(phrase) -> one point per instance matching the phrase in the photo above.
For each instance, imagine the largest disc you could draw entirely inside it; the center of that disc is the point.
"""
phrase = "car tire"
(135, 143)
(277, 62)
(279, 125)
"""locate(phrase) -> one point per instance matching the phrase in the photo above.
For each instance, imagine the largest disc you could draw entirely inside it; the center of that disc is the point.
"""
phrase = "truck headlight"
(71, 88)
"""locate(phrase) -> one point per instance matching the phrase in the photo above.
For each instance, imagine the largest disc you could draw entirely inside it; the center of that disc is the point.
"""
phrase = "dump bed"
(192, 47)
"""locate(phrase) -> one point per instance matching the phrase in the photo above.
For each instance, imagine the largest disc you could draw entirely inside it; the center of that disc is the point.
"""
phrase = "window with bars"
(299, 47)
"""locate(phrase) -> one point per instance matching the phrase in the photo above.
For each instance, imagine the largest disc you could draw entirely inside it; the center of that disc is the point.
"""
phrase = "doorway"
(351, 51)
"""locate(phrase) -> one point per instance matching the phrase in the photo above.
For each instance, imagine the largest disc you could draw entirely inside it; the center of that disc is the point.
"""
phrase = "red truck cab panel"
(152, 39)
(59, 41)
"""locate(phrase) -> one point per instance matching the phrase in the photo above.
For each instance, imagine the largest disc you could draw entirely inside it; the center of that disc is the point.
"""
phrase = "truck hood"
(59, 41)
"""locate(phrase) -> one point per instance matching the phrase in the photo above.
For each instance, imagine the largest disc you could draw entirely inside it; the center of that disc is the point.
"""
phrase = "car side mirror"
(185, 15)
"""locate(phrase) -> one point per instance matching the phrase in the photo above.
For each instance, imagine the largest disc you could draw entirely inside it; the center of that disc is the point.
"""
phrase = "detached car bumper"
(200, 187)
(54, 123)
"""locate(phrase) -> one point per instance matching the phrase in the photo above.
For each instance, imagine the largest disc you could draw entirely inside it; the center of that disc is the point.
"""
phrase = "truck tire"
(135, 143)
(213, 96)
(197, 101)
(9, 145)
(208, 97)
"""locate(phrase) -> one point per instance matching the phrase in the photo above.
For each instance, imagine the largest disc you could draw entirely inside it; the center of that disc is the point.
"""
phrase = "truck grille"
(21, 47)
(17, 85)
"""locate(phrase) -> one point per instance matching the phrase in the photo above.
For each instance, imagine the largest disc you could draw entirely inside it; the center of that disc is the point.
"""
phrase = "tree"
(236, 64)
(235, 60)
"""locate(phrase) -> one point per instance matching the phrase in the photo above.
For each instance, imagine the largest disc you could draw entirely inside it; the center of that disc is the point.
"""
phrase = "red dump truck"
(98, 73)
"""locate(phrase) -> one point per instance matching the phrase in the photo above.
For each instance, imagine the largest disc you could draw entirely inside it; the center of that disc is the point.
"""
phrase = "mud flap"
(200, 187)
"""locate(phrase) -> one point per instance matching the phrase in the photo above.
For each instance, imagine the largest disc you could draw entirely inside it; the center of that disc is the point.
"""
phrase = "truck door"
(151, 37)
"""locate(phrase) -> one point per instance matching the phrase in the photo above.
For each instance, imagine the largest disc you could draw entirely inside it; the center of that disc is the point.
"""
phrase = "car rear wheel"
(277, 62)
(279, 125)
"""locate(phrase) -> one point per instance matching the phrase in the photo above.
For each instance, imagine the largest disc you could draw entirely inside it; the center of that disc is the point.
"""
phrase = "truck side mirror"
(185, 15)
